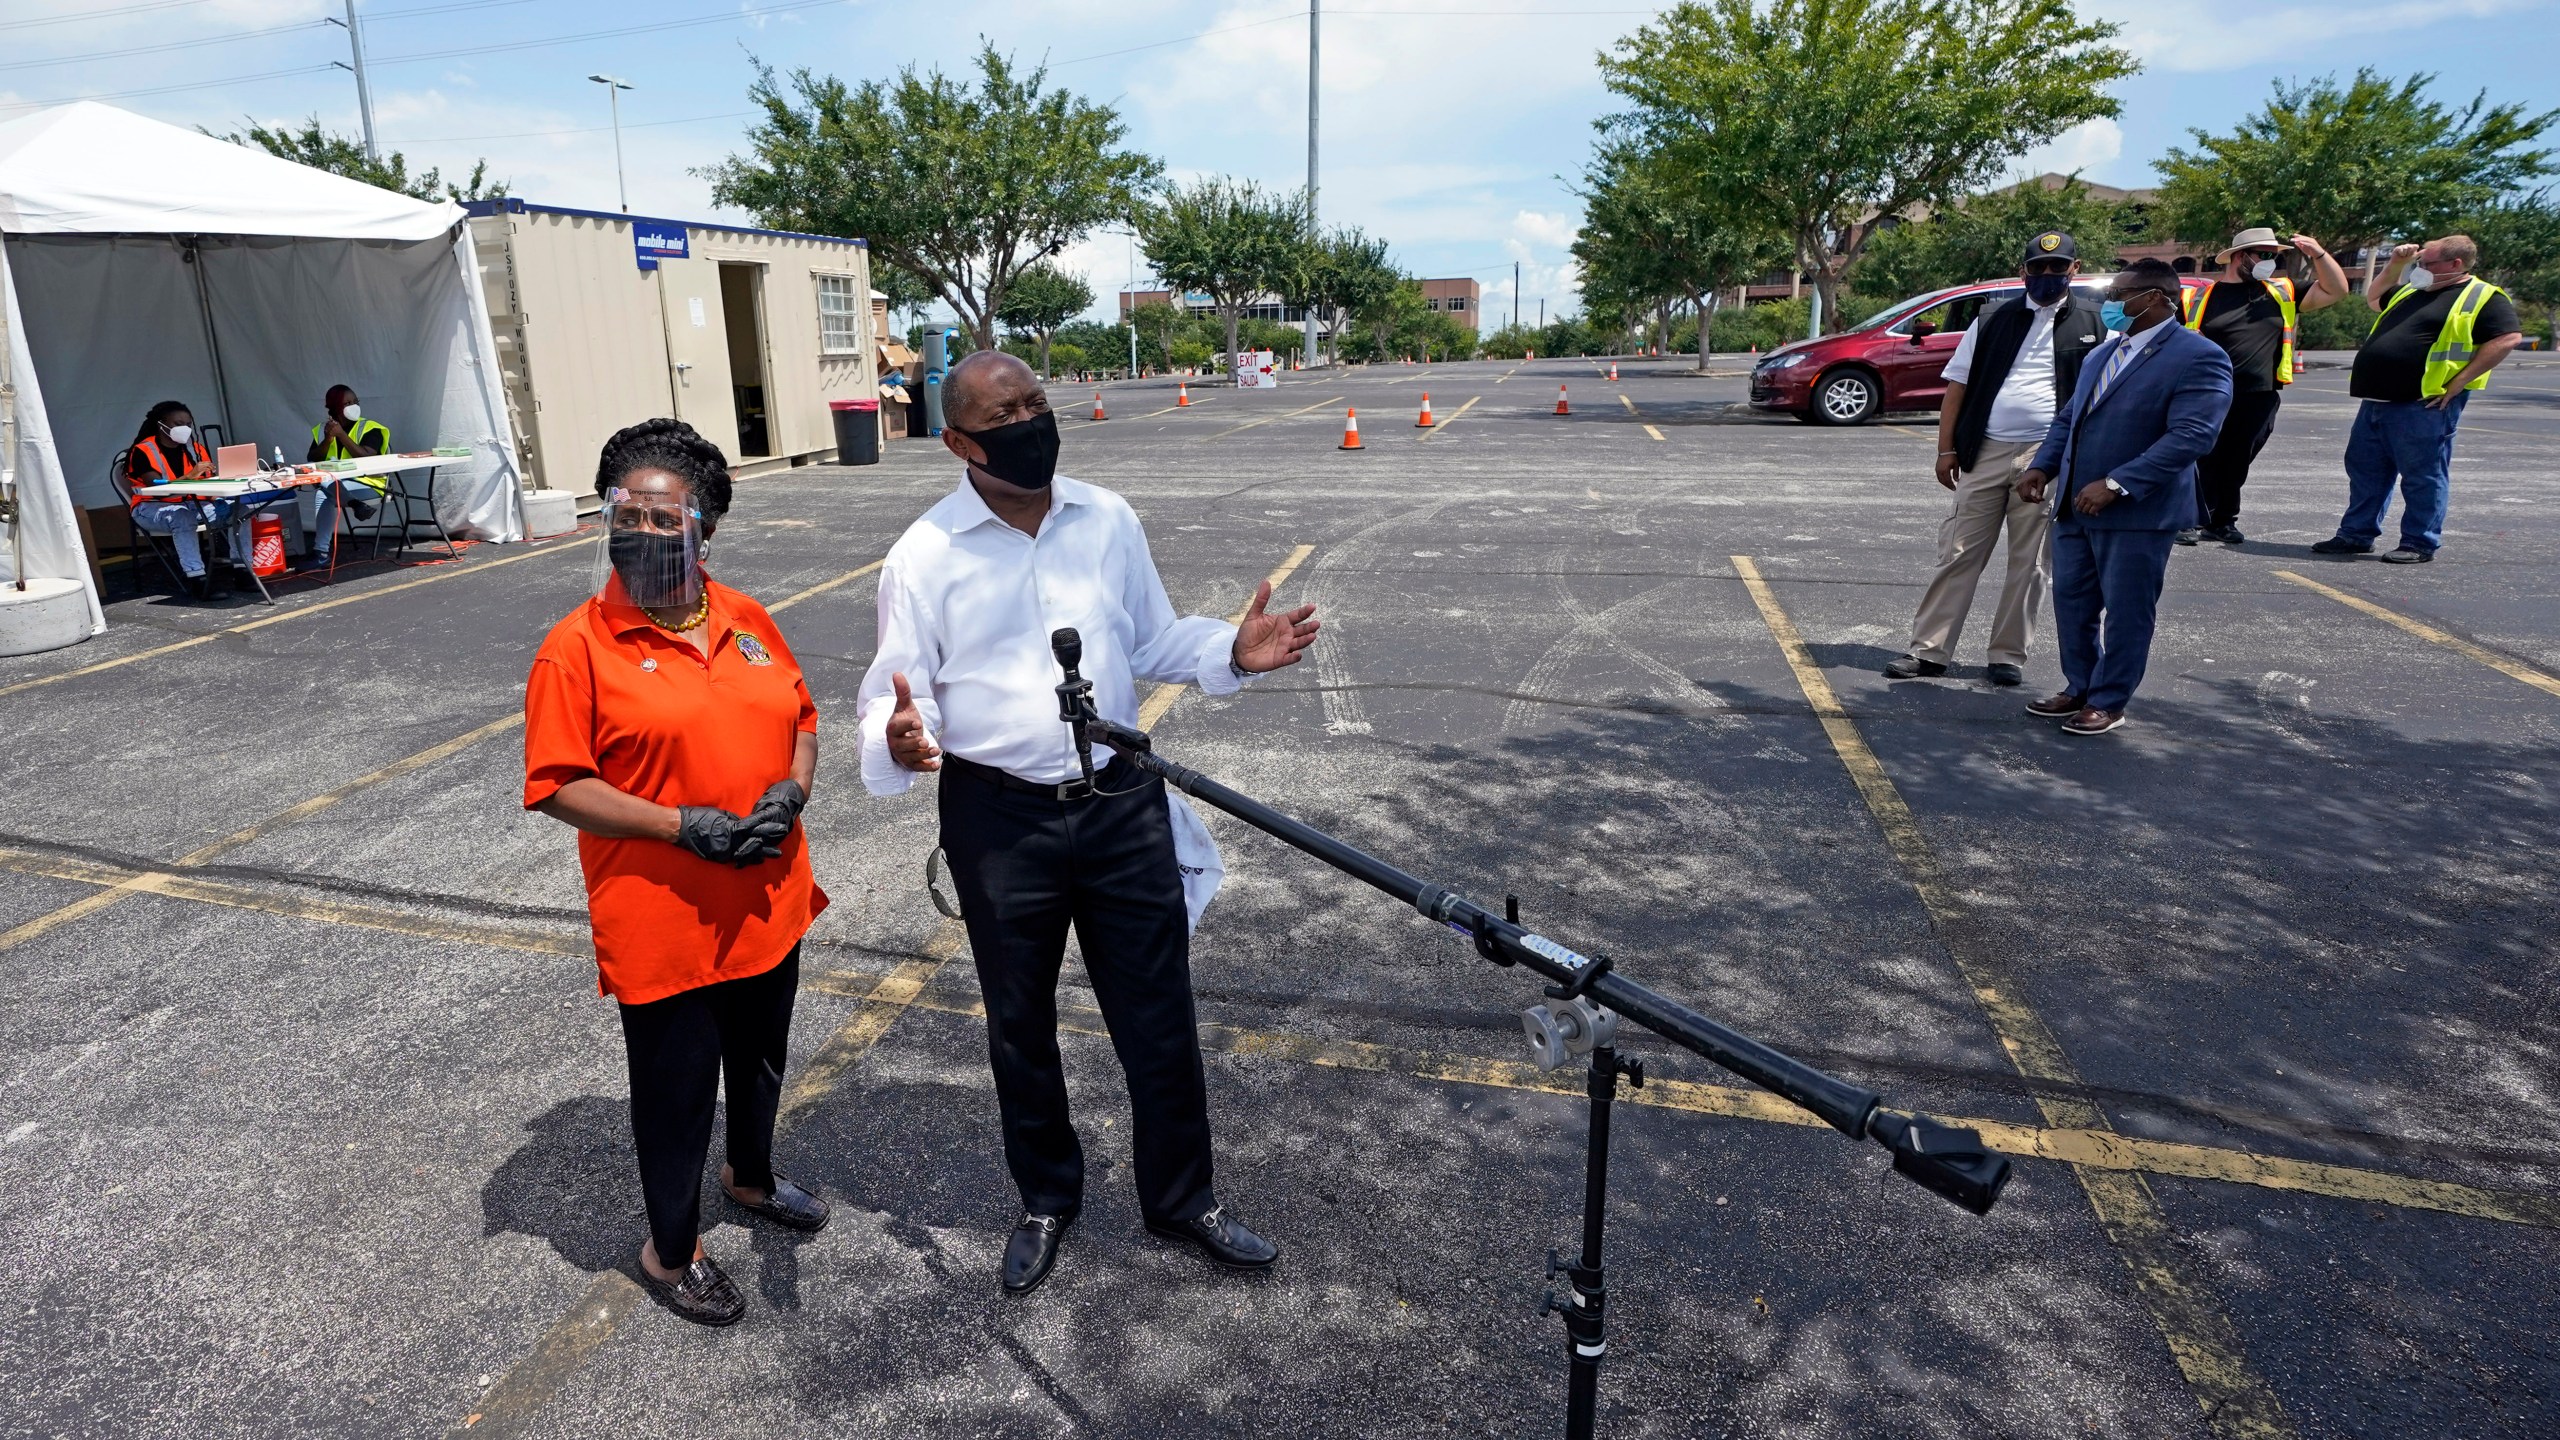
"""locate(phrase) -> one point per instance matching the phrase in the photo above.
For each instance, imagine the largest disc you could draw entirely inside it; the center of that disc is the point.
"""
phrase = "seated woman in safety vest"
(164, 452)
(342, 434)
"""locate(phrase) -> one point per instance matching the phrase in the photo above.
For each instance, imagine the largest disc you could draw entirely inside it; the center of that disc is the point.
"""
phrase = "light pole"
(614, 89)
(1314, 7)
(364, 91)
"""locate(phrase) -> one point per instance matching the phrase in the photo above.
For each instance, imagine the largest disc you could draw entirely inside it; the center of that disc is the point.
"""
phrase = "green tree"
(1040, 300)
(1982, 237)
(2519, 239)
(964, 187)
(345, 155)
(2354, 165)
(1829, 114)
(1229, 239)
(1654, 235)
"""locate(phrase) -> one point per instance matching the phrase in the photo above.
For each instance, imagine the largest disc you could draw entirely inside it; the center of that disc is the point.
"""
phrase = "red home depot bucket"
(266, 544)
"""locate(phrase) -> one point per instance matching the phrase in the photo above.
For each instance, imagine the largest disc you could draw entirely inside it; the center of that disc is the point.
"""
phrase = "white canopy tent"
(142, 262)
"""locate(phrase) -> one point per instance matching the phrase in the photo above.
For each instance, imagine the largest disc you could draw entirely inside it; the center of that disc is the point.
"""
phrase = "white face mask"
(2263, 270)
(2419, 276)
(352, 413)
(181, 434)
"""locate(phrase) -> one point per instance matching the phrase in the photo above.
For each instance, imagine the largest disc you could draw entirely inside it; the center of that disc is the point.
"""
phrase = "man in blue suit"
(2148, 405)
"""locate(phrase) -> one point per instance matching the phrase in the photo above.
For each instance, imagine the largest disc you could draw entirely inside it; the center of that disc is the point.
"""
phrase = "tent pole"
(194, 255)
(9, 436)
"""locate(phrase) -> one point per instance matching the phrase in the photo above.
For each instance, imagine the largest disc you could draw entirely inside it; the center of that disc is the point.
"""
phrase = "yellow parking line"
(1656, 434)
(1907, 430)
(299, 612)
(1162, 697)
(1441, 425)
(1267, 419)
(907, 986)
(2237, 1404)
(2513, 669)
(1631, 406)
(156, 882)
(814, 591)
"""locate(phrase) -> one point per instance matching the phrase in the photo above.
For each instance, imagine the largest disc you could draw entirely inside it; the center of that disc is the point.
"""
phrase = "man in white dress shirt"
(964, 683)
(2002, 384)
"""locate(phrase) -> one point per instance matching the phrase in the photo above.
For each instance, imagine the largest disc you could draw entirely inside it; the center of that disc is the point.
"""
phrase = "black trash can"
(857, 431)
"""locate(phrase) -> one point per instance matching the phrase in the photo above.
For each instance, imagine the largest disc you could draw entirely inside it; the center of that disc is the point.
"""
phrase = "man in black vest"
(2002, 385)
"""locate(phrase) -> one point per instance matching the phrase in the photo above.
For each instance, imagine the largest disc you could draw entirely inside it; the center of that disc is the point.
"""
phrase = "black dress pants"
(2225, 468)
(1027, 866)
(679, 1047)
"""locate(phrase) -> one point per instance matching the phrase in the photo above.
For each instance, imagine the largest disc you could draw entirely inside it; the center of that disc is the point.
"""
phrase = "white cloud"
(2200, 35)
(1555, 232)
(2083, 147)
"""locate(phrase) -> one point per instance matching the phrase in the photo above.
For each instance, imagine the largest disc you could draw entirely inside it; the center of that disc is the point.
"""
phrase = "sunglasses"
(2049, 267)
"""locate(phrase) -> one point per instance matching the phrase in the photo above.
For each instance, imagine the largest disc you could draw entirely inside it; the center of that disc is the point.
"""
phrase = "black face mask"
(653, 568)
(2045, 289)
(1024, 453)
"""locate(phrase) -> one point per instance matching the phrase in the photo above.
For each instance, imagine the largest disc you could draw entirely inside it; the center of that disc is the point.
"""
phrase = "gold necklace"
(700, 613)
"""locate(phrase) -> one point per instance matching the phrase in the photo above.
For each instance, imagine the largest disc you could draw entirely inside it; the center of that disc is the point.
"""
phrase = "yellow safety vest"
(365, 429)
(2198, 295)
(2453, 348)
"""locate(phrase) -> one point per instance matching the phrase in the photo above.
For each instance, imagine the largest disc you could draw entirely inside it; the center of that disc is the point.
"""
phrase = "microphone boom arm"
(1952, 1162)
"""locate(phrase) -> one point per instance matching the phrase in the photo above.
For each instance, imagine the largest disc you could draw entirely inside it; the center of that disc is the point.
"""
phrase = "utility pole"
(364, 92)
(1515, 294)
(1129, 315)
(1314, 9)
(614, 89)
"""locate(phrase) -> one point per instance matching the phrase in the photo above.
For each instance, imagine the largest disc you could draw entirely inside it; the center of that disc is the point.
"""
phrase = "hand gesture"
(2307, 245)
(1947, 468)
(908, 744)
(1268, 642)
(2031, 486)
(2093, 498)
(2401, 255)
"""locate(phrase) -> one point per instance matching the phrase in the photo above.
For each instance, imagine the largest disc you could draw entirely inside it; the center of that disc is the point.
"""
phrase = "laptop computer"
(235, 462)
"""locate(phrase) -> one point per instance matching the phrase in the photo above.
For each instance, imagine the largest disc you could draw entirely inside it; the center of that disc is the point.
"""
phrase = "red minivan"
(1892, 361)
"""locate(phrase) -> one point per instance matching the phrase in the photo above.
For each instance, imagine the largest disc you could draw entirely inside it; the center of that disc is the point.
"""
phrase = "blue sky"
(1451, 126)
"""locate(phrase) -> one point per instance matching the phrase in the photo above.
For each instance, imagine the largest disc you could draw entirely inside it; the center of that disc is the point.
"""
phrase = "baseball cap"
(2053, 244)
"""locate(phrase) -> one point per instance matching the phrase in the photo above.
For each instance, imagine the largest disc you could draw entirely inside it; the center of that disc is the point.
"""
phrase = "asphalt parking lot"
(312, 1122)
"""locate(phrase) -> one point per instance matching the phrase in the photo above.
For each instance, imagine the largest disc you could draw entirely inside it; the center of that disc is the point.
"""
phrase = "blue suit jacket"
(2146, 433)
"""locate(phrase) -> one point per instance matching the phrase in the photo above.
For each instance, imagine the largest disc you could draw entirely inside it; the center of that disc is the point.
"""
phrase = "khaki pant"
(1986, 502)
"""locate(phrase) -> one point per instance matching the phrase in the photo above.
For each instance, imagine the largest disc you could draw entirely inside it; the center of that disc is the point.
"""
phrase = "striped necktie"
(2115, 367)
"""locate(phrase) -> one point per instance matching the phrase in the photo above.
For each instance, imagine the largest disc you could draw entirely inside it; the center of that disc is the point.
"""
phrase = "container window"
(839, 316)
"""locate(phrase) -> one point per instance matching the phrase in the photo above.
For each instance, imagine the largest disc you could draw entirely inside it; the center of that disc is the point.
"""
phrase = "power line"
(582, 130)
(98, 14)
(125, 51)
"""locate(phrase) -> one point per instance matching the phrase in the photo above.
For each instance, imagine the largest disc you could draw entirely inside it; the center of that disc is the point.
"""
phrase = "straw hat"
(2256, 237)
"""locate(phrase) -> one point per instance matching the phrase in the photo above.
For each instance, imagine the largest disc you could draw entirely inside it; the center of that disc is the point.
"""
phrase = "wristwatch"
(2110, 483)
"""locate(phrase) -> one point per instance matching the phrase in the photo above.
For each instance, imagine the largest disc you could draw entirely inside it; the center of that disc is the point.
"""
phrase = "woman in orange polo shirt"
(668, 722)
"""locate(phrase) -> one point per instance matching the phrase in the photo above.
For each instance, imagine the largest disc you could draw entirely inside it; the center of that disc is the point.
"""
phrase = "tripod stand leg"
(1586, 1310)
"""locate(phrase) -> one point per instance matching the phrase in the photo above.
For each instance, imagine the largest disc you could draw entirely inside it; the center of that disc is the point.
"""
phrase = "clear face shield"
(651, 553)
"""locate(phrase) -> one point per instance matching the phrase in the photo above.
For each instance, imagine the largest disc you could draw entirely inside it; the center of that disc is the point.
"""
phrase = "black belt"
(1076, 789)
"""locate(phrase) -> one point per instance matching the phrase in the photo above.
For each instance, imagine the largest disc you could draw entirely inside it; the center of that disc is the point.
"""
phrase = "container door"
(698, 348)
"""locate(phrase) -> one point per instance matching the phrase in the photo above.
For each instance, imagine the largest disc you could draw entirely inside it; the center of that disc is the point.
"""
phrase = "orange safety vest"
(162, 475)
(2199, 296)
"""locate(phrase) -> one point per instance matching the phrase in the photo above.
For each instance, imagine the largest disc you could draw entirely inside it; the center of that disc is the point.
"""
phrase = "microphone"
(1075, 697)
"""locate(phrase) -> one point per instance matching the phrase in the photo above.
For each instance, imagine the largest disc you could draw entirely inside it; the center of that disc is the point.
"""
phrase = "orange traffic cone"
(1561, 407)
(1097, 406)
(1181, 394)
(1613, 369)
(1351, 429)
(1425, 422)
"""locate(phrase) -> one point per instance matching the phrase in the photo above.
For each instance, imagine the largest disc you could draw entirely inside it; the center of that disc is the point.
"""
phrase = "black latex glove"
(715, 834)
(766, 826)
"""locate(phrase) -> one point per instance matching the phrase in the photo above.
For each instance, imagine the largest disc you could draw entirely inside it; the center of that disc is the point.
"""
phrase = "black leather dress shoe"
(788, 1205)
(1032, 1250)
(1912, 667)
(1221, 1239)
(2001, 672)
(702, 1294)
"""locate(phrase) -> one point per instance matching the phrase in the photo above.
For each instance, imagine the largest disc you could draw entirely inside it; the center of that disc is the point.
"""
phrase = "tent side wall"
(590, 342)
